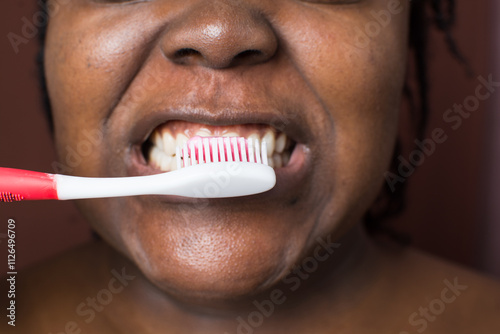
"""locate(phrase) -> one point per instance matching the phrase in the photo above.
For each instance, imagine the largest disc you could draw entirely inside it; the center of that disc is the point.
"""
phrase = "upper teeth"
(162, 153)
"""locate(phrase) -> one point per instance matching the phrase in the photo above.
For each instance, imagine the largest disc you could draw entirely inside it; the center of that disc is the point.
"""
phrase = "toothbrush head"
(217, 167)
(199, 150)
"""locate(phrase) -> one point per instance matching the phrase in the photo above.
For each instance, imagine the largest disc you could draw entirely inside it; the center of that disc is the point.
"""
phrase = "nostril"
(188, 55)
(251, 56)
(185, 53)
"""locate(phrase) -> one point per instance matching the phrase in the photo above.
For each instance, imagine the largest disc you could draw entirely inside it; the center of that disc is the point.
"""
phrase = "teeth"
(154, 154)
(173, 165)
(165, 162)
(278, 161)
(158, 140)
(230, 134)
(269, 139)
(271, 163)
(280, 143)
(168, 144)
(203, 132)
(163, 151)
(181, 139)
(254, 137)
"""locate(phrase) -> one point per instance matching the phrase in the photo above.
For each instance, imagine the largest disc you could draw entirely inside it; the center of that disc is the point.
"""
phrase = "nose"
(219, 34)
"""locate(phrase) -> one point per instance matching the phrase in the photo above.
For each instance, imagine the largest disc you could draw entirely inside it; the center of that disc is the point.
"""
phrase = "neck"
(327, 281)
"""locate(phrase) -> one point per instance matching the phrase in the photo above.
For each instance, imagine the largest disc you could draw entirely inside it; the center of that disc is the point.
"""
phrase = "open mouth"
(159, 150)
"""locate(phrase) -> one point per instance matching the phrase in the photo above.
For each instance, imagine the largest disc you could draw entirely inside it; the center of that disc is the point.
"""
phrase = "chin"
(215, 256)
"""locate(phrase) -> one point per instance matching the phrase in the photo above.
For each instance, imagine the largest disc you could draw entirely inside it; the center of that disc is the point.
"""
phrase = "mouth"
(155, 135)
(159, 150)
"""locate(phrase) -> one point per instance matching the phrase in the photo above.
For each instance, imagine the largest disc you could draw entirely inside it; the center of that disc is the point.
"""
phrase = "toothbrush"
(213, 167)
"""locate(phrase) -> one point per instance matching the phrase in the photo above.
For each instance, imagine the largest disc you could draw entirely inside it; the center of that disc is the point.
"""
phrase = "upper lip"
(292, 124)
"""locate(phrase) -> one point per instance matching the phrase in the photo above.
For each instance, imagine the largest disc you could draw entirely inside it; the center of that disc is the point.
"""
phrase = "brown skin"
(112, 66)
(117, 67)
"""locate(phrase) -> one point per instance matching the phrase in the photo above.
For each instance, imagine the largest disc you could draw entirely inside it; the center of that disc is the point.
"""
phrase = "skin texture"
(103, 66)
(126, 67)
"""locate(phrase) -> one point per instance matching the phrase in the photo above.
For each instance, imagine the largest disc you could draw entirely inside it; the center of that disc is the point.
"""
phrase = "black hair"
(425, 14)
(42, 33)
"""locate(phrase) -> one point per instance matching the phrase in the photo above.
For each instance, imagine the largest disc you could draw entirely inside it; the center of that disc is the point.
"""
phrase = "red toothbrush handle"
(18, 184)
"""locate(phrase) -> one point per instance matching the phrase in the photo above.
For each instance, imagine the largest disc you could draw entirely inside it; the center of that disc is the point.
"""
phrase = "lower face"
(323, 90)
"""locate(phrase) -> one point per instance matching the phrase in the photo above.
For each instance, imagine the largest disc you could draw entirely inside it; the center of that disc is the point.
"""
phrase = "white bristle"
(193, 155)
(185, 155)
(220, 143)
(251, 157)
(243, 149)
(257, 152)
(235, 149)
(178, 157)
(228, 149)
(215, 151)
(264, 153)
(206, 146)
(229, 153)
(200, 153)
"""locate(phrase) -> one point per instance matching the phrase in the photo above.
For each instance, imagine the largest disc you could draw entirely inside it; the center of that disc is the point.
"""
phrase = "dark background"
(454, 198)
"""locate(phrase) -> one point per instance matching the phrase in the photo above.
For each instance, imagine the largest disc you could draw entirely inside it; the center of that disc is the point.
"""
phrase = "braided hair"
(425, 15)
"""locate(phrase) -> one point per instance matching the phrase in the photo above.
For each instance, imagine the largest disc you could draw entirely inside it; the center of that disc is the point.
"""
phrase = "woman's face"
(129, 79)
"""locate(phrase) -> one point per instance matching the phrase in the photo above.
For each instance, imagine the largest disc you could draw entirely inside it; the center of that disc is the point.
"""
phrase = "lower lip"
(290, 180)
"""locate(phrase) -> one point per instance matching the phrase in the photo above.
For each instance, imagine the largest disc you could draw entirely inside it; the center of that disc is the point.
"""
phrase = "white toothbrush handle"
(212, 180)
(75, 187)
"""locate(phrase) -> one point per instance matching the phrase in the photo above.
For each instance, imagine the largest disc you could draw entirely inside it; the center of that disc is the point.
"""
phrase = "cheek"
(358, 79)
(360, 87)
(89, 61)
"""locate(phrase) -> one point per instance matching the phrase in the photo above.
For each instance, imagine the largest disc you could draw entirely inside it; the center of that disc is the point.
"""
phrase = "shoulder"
(49, 295)
(441, 297)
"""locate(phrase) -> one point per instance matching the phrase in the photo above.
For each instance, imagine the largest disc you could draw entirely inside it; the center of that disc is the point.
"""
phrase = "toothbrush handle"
(77, 187)
(211, 180)
(18, 184)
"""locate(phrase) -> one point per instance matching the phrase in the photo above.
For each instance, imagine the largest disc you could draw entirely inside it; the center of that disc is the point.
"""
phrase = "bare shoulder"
(436, 296)
(53, 296)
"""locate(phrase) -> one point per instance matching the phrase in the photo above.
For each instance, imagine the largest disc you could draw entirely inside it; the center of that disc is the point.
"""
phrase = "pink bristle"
(219, 149)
